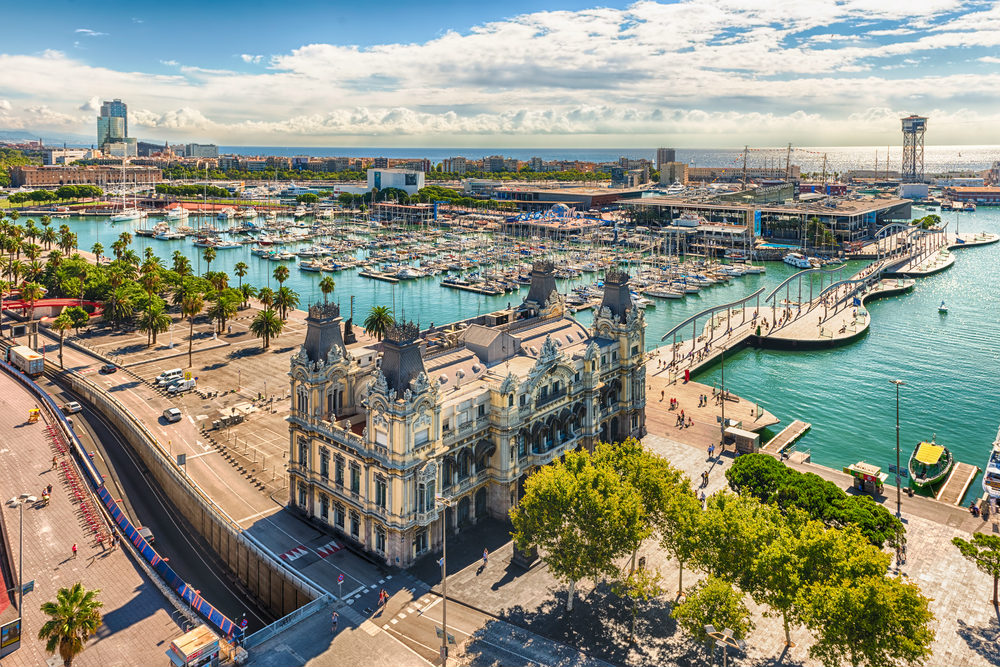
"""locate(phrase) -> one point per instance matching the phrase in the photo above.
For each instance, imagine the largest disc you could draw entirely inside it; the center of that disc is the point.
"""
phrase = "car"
(71, 408)
(182, 386)
(107, 369)
(146, 534)
(172, 415)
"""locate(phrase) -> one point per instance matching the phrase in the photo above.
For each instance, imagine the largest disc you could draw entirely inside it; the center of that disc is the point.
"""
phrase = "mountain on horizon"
(21, 136)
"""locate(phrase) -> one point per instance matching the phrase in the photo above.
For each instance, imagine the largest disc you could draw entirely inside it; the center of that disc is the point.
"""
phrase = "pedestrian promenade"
(138, 621)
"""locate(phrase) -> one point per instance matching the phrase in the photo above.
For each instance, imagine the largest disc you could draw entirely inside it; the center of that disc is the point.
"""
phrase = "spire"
(323, 331)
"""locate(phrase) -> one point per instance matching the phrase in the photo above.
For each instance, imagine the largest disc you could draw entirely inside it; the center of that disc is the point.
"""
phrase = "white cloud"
(5, 105)
(93, 104)
(602, 72)
(90, 33)
(993, 60)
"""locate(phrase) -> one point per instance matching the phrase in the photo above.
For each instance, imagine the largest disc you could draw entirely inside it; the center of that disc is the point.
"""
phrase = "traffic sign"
(340, 578)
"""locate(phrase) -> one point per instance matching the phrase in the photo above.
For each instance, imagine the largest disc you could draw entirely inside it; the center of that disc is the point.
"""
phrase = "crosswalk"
(328, 549)
(294, 553)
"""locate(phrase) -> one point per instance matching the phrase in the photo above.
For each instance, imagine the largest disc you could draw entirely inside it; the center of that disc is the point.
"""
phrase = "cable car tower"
(912, 170)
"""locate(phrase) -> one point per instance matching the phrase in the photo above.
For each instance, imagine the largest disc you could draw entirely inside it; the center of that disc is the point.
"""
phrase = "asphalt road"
(148, 506)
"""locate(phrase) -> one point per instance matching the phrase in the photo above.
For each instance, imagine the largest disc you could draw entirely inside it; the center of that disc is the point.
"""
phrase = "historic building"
(464, 411)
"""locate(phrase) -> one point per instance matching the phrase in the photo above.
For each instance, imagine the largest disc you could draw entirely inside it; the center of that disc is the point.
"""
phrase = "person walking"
(334, 619)
(54, 460)
(74, 550)
(486, 554)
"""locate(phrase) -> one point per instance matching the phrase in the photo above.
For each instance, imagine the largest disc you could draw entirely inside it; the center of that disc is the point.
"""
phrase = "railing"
(549, 398)
(269, 631)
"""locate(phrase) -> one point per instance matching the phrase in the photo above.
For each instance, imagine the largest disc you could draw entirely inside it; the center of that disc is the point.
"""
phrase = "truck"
(26, 360)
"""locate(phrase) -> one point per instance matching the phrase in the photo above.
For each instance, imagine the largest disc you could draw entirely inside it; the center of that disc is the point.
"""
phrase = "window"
(421, 499)
(604, 359)
(446, 425)
(302, 495)
(523, 400)
(380, 491)
(510, 401)
(422, 437)
(355, 478)
(324, 463)
(304, 452)
(380, 540)
(481, 412)
(338, 515)
(544, 393)
(303, 405)
(355, 525)
(338, 470)
(324, 507)
(576, 377)
(635, 350)
(420, 541)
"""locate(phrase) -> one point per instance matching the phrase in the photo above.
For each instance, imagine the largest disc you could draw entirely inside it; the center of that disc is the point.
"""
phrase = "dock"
(375, 275)
(957, 484)
(787, 437)
(490, 291)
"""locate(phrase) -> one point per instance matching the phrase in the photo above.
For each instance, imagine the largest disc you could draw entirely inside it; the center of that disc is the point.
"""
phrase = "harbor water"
(949, 362)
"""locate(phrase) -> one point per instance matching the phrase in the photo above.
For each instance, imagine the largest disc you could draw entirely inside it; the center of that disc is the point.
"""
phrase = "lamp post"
(726, 640)
(19, 503)
(722, 399)
(899, 477)
(447, 502)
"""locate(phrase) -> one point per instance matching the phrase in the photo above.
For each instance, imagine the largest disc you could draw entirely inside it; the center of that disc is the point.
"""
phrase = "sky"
(687, 73)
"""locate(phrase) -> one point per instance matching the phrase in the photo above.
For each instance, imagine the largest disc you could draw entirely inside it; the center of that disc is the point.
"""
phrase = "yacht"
(991, 478)
(797, 260)
(226, 213)
(176, 213)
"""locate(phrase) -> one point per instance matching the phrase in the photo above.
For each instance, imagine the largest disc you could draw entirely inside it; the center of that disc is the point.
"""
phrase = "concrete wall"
(278, 589)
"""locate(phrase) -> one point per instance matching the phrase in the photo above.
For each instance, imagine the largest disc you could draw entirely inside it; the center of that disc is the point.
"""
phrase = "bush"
(713, 601)
(771, 481)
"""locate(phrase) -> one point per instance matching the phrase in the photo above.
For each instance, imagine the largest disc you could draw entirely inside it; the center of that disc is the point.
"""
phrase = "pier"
(957, 484)
(786, 438)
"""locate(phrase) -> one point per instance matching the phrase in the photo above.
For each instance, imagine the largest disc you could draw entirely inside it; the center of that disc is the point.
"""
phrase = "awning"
(929, 453)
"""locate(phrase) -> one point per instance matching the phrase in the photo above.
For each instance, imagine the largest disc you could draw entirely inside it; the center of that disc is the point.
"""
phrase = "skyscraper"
(665, 155)
(112, 124)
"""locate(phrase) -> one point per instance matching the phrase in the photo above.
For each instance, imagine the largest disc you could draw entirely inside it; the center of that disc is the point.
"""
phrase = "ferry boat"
(929, 464)
(991, 478)
(797, 260)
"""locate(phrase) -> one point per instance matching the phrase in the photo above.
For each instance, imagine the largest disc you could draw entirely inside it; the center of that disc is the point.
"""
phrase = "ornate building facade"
(466, 411)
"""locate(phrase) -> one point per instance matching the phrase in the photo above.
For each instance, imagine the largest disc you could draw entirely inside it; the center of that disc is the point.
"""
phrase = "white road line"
(258, 514)
(195, 456)
(391, 632)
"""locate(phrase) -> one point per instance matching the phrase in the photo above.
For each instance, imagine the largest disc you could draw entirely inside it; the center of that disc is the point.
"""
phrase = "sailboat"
(127, 212)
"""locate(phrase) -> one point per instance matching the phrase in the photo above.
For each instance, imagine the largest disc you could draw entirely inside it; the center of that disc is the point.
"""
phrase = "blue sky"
(698, 73)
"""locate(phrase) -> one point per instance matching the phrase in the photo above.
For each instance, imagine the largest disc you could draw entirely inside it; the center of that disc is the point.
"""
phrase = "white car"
(71, 408)
(172, 415)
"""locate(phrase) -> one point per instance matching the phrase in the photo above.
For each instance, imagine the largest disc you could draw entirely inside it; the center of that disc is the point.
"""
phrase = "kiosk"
(195, 648)
(868, 478)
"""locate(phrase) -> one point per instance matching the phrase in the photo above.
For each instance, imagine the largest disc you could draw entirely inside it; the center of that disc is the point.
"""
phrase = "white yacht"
(797, 260)
(177, 212)
(991, 477)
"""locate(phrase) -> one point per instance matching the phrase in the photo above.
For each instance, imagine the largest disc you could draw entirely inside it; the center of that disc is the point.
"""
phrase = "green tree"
(191, 305)
(225, 306)
(208, 254)
(984, 551)
(31, 293)
(98, 251)
(639, 584)
(307, 198)
(285, 299)
(78, 316)
(870, 622)
(281, 274)
(326, 286)
(62, 324)
(581, 517)
(247, 291)
(241, 269)
(182, 265)
(118, 307)
(713, 601)
(154, 320)
(266, 296)
(73, 618)
(378, 321)
(680, 527)
(266, 325)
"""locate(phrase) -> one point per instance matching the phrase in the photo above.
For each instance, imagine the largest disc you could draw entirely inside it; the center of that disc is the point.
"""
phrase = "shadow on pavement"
(983, 639)
(464, 549)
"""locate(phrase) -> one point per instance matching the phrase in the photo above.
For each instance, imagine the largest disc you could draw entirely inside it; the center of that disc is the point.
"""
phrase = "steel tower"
(912, 170)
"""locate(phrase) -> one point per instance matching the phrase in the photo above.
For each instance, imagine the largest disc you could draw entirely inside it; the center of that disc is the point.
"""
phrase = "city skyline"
(705, 74)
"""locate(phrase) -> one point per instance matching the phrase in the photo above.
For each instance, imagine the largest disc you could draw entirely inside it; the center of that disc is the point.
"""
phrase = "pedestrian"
(48, 489)
(74, 550)
(54, 459)
(486, 553)
(711, 451)
(333, 619)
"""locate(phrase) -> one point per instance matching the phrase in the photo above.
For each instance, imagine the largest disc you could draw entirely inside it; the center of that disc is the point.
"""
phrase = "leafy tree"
(680, 527)
(281, 274)
(191, 305)
(208, 254)
(870, 622)
(118, 307)
(241, 269)
(73, 618)
(326, 286)
(307, 198)
(639, 584)
(266, 325)
(378, 321)
(285, 299)
(154, 320)
(984, 551)
(713, 601)
(62, 324)
(581, 517)
(78, 316)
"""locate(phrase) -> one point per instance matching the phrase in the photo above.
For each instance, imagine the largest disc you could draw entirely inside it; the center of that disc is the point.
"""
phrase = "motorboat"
(943, 309)
(929, 464)
(226, 213)
(176, 213)
(797, 260)
(128, 214)
(991, 476)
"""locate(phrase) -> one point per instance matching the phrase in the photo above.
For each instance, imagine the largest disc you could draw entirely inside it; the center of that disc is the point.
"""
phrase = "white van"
(183, 385)
(166, 377)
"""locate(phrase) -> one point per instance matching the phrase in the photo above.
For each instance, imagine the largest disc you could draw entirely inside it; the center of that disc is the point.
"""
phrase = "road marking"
(191, 419)
(390, 632)
(328, 549)
(394, 621)
(294, 553)
(258, 514)
(195, 456)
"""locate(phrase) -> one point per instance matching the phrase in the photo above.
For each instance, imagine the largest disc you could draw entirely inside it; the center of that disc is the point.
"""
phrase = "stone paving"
(138, 622)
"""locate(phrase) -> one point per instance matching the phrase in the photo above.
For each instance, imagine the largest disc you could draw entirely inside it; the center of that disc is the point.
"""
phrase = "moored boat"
(929, 464)
(991, 476)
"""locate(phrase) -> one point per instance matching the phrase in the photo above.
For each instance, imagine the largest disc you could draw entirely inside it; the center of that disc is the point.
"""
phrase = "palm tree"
(285, 299)
(280, 273)
(48, 237)
(98, 250)
(154, 321)
(326, 286)
(241, 269)
(31, 293)
(248, 291)
(265, 326)
(118, 306)
(218, 280)
(208, 255)
(62, 324)
(266, 296)
(125, 238)
(191, 305)
(182, 264)
(223, 308)
(73, 618)
(68, 241)
(378, 321)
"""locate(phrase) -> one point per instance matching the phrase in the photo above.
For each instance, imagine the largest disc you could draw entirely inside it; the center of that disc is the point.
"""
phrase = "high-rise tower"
(912, 170)
(112, 124)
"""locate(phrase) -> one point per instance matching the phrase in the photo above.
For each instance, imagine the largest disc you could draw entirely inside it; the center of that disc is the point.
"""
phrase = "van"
(178, 387)
(166, 377)
(172, 415)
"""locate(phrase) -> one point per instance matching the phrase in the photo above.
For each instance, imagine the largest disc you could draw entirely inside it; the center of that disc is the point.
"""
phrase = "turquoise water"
(949, 362)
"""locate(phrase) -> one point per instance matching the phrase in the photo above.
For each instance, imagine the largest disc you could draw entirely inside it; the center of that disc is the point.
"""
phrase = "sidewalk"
(138, 622)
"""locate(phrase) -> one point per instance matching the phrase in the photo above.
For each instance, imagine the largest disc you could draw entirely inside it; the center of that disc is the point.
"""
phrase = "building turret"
(543, 283)
(616, 294)
(401, 358)
(323, 331)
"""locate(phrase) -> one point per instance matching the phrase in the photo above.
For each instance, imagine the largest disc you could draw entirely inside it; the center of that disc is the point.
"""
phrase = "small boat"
(943, 309)
(929, 464)
(797, 260)
(128, 214)
(991, 478)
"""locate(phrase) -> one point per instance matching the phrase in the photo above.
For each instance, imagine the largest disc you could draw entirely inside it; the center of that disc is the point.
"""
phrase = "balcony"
(425, 518)
(549, 398)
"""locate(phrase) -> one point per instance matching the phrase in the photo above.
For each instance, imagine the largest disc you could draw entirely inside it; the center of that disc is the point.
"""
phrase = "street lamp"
(18, 502)
(722, 399)
(726, 640)
(447, 502)
(899, 477)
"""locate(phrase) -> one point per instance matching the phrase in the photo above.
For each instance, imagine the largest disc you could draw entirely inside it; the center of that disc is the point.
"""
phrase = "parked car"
(146, 534)
(107, 369)
(172, 415)
(182, 386)
(169, 377)
(71, 408)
